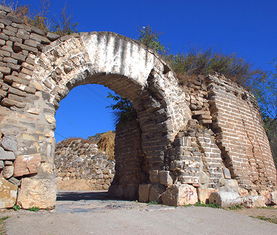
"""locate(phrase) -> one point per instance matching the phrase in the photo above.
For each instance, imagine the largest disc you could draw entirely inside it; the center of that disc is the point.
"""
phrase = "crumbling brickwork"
(191, 140)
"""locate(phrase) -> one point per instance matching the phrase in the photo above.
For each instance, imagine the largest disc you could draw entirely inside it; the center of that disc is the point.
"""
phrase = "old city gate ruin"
(191, 141)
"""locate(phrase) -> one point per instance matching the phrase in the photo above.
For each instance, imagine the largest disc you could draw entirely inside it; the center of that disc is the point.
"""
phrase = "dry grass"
(106, 143)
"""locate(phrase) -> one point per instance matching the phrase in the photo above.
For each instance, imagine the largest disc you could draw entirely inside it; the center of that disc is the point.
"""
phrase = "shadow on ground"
(77, 196)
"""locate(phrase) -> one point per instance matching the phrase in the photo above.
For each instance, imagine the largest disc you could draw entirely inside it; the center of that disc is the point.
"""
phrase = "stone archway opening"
(133, 72)
(88, 164)
(85, 134)
(121, 64)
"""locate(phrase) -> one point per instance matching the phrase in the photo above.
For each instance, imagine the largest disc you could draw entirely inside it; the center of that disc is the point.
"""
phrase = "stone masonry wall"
(240, 135)
(195, 139)
(130, 161)
(81, 166)
(20, 44)
(222, 156)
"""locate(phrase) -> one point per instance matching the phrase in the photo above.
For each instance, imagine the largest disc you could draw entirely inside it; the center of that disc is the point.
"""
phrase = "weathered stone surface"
(179, 195)
(81, 165)
(155, 192)
(14, 181)
(26, 164)
(229, 185)
(204, 194)
(1, 165)
(9, 143)
(39, 193)
(225, 199)
(154, 176)
(6, 155)
(274, 197)
(8, 172)
(226, 173)
(267, 196)
(144, 190)
(165, 178)
(8, 193)
(253, 201)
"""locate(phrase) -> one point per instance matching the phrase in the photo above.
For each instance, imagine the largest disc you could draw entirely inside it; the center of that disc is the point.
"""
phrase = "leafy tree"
(123, 109)
(150, 39)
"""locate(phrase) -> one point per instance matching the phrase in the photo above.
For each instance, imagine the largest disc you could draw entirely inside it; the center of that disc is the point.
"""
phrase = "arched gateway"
(194, 138)
(117, 62)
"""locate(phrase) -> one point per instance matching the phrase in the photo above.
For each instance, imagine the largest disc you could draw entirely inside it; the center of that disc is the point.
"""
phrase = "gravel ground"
(93, 213)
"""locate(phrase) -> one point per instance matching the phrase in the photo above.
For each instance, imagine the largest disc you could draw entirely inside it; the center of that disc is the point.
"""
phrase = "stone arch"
(125, 66)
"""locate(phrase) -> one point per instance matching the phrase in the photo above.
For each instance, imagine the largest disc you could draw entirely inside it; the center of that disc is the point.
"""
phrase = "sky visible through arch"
(246, 28)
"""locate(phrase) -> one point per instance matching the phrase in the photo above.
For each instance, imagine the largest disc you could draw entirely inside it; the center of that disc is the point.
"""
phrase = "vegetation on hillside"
(61, 25)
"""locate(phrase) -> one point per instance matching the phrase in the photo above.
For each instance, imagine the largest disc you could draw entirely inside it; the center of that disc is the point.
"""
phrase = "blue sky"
(244, 27)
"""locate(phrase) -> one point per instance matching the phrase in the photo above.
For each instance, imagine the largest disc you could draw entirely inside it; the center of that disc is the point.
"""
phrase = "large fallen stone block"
(253, 201)
(8, 193)
(179, 195)
(225, 199)
(39, 193)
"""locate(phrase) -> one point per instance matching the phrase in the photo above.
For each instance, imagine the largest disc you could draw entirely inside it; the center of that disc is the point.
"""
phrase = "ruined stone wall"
(81, 166)
(22, 134)
(240, 135)
(223, 149)
(192, 137)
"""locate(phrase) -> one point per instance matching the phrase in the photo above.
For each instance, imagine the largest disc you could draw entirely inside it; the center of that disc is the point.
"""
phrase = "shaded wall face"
(131, 168)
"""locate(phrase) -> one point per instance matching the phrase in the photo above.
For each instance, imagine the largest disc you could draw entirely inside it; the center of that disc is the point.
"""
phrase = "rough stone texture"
(274, 197)
(130, 162)
(8, 193)
(165, 178)
(179, 195)
(200, 128)
(26, 165)
(155, 193)
(39, 193)
(225, 199)
(253, 201)
(144, 192)
(81, 166)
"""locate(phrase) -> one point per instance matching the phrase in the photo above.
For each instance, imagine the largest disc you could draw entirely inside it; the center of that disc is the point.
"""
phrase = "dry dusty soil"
(93, 213)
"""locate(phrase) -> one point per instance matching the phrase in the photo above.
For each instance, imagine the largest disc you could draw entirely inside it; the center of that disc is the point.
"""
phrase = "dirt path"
(75, 216)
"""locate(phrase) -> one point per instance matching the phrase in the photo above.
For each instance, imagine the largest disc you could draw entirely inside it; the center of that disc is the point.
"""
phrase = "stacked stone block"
(81, 166)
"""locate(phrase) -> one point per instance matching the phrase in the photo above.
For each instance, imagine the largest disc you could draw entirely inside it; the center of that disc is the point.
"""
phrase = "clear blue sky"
(247, 28)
